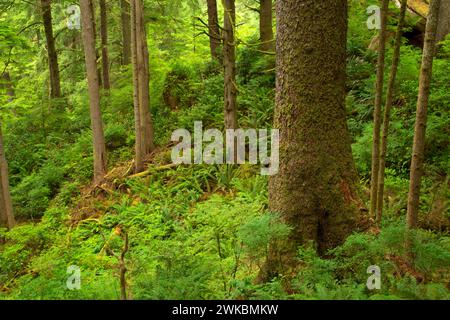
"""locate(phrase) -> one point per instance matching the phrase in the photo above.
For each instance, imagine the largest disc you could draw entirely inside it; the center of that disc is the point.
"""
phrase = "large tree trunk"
(87, 17)
(55, 86)
(213, 28)
(104, 43)
(387, 109)
(315, 190)
(126, 32)
(444, 21)
(140, 57)
(421, 114)
(6, 207)
(229, 63)
(265, 26)
(377, 111)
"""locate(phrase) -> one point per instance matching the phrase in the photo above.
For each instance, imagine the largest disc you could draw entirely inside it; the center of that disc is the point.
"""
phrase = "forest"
(224, 150)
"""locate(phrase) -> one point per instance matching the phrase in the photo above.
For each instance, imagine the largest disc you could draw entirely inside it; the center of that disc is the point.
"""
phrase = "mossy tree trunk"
(315, 190)
(377, 110)
(126, 31)
(55, 85)
(88, 32)
(213, 29)
(104, 42)
(265, 26)
(229, 64)
(421, 114)
(6, 207)
(387, 109)
(141, 77)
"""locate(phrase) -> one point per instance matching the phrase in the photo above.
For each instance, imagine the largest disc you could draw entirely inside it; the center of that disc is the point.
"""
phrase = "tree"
(141, 94)
(265, 26)
(104, 43)
(387, 109)
(55, 86)
(377, 110)
(88, 32)
(229, 64)
(6, 207)
(315, 190)
(213, 29)
(416, 171)
(126, 31)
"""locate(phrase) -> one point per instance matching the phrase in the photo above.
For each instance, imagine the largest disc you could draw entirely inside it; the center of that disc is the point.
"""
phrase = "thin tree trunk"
(213, 29)
(229, 63)
(126, 32)
(315, 190)
(88, 32)
(104, 43)
(377, 110)
(421, 114)
(138, 164)
(140, 59)
(387, 109)
(6, 207)
(265, 26)
(55, 86)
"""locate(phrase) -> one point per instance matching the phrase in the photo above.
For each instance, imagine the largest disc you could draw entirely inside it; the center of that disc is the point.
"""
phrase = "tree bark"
(315, 190)
(104, 44)
(87, 18)
(387, 109)
(377, 111)
(55, 86)
(229, 63)
(6, 207)
(126, 32)
(140, 57)
(444, 21)
(213, 29)
(421, 114)
(265, 26)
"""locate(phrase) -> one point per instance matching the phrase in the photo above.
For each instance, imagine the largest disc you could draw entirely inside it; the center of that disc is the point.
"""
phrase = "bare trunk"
(126, 32)
(265, 26)
(104, 43)
(55, 86)
(87, 18)
(143, 122)
(377, 111)
(421, 114)
(229, 63)
(213, 29)
(6, 207)
(315, 190)
(387, 109)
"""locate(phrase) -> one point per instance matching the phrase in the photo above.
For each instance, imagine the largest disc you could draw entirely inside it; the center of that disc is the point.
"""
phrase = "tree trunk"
(387, 109)
(229, 63)
(55, 86)
(377, 111)
(421, 114)
(126, 32)
(315, 190)
(87, 17)
(140, 57)
(6, 207)
(444, 21)
(213, 29)
(265, 26)
(104, 43)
